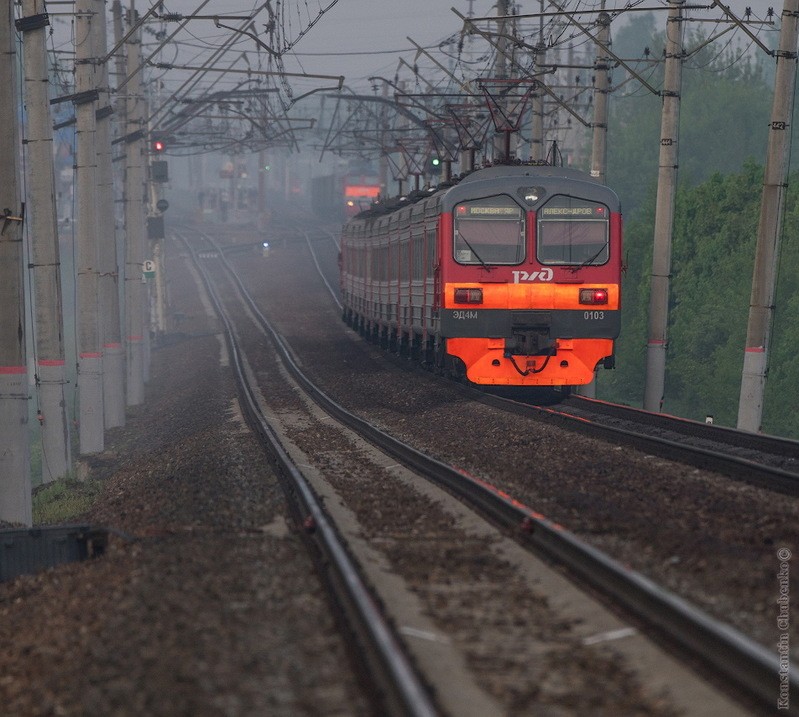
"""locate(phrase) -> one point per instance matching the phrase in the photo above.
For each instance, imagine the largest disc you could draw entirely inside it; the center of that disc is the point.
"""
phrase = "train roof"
(517, 180)
(504, 178)
(526, 170)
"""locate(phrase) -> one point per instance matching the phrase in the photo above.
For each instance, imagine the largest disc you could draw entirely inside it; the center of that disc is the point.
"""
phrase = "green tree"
(714, 239)
(782, 388)
(715, 231)
(723, 117)
(723, 131)
(626, 383)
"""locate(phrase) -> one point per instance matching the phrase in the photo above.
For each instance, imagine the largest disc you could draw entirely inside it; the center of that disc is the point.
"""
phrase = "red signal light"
(158, 145)
(468, 296)
(593, 296)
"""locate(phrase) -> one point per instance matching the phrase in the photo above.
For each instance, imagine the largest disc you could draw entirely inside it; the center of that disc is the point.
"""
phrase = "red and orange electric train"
(511, 277)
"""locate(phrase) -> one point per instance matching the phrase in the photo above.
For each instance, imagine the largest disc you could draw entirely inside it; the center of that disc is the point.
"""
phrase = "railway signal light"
(434, 165)
(158, 145)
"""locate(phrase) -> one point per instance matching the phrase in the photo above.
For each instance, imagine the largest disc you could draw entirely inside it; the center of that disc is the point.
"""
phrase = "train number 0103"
(594, 315)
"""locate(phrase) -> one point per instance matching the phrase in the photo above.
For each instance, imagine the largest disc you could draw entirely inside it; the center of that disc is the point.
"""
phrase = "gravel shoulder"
(213, 609)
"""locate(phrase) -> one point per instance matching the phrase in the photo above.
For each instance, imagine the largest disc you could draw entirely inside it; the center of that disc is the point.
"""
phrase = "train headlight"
(531, 195)
(468, 296)
(593, 296)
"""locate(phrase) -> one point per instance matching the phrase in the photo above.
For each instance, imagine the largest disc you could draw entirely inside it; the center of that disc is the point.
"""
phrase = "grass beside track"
(63, 501)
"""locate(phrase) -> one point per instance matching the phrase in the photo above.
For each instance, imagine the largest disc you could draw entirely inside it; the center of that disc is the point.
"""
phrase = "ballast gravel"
(206, 602)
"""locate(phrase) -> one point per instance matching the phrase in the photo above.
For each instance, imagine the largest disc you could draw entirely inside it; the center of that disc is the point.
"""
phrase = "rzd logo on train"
(541, 275)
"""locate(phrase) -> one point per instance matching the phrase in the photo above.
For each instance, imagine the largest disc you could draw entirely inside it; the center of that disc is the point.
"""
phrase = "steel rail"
(319, 271)
(775, 445)
(744, 469)
(408, 696)
(744, 663)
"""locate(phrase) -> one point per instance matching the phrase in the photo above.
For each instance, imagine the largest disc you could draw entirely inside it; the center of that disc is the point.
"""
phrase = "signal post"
(134, 222)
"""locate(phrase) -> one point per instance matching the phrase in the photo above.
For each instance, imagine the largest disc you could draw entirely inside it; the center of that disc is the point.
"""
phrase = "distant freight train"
(511, 277)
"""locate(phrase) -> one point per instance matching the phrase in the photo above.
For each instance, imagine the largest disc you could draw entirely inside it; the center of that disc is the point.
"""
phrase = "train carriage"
(510, 277)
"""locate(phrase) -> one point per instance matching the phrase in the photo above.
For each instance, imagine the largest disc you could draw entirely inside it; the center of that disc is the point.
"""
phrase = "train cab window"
(489, 231)
(572, 231)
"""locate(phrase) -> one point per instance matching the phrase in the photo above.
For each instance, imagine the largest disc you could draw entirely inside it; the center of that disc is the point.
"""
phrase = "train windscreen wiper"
(474, 251)
(590, 260)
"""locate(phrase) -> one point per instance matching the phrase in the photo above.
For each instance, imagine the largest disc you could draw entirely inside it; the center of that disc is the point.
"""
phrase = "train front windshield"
(489, 231)
(573, 231)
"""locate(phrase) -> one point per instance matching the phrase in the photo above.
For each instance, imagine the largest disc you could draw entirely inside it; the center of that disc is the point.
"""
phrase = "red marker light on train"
(468, 296)
(593, 296)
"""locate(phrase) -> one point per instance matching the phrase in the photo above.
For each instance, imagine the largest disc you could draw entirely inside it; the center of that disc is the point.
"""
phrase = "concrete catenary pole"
(134, 222)
(262, 223)
(120, 166)
(599, 143)
(383, 166)
(761, 303)
(120, 103)
(90, 355)
(15, 479)
(664, 211)
(537, 150)
(42, 226)
(501, 139)
(157, 288)
(113, 350)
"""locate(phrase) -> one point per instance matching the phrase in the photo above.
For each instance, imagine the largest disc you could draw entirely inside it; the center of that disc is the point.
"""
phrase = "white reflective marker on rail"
(610, 635)
(424, 634)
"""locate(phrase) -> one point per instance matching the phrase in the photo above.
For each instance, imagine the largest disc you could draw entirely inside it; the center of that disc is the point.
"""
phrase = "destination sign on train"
(573, 211)
(490, 211)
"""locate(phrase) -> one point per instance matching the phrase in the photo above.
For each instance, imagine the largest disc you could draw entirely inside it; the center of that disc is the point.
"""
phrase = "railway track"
(755, 450)
(401, 690)
(741, 662)
(764, 461)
